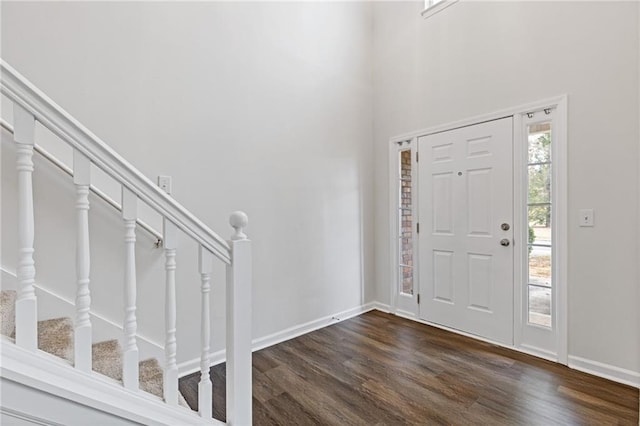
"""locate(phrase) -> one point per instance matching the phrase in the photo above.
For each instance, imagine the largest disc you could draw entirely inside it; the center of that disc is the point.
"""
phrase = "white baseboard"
(617, 374)
(382, 307)
(52, 305)
(193, 365)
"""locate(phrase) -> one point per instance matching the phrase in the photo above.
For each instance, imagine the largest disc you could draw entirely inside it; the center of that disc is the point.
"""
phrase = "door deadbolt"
(505, 242)
(505, 227)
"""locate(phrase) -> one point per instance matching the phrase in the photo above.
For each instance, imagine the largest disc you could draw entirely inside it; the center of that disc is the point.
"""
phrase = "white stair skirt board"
(51, 305)
(40, 377)
(218, 357)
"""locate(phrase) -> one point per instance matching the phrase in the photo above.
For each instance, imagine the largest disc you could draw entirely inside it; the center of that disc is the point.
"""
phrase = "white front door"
(465, 241)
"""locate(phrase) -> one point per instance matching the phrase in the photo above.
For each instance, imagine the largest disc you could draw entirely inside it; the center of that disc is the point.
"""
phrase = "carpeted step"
(55, 336)
(151, 380)
(7, 312)
(151, 377)
(107, 359)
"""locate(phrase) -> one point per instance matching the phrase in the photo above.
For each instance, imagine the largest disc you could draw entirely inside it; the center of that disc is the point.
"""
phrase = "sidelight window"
(539, 218)
(405, 222)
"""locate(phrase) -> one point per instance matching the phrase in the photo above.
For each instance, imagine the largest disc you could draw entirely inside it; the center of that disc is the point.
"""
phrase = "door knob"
(505, 227)
(505, 242)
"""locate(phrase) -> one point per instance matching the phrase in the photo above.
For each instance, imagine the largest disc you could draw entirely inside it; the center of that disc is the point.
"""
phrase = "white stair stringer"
(42, 373)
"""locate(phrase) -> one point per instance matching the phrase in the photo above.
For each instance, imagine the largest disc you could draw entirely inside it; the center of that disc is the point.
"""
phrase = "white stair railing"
(31, 106)
(130, 354)
(170, 347)
(26, 304)
(82, 335)
(205, 387)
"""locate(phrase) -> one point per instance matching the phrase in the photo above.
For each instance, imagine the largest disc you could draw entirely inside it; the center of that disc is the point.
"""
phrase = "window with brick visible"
(405, 224)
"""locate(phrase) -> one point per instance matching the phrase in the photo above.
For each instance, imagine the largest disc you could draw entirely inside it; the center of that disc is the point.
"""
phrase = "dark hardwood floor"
(379, 369)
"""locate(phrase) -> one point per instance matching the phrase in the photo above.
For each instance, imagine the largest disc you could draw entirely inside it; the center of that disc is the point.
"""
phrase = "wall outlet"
(586, 217)
(164, 182)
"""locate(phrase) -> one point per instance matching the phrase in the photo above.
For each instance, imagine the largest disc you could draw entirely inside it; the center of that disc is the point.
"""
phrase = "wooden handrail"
(18, 89)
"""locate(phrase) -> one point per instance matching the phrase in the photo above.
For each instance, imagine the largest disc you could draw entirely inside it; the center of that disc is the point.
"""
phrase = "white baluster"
(130, 356)
(171, 367)
(26, 306)
(82, 336)
(239, 404)
(205, 391)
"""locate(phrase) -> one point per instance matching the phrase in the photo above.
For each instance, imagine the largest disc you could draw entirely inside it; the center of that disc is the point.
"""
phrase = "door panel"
(465, 194)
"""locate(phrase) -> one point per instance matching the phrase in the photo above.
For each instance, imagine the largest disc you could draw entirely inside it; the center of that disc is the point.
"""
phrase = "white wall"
(478, 57)
(267, 107)
(264, 107)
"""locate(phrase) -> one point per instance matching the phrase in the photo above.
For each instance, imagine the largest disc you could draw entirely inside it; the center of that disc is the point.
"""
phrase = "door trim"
(560, 104)
(402, 303)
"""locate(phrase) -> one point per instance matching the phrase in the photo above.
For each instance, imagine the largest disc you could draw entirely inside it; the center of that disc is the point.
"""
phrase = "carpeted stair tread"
(151, 380)
(7, 312)
(151, 377)
(107, 359)
(55, 336)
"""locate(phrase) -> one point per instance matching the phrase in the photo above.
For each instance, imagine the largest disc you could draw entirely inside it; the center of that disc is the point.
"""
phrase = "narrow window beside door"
(405, 223)
(540, 279)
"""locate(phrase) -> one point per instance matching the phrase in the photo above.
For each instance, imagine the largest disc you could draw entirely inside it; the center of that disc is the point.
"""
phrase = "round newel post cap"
(239, 220)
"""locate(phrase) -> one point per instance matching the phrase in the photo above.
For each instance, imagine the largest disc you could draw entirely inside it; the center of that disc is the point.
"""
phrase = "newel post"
(239, 393)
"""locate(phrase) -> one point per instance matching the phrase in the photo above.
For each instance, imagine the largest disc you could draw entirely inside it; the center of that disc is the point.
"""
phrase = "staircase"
(52, 372)
(55, 336)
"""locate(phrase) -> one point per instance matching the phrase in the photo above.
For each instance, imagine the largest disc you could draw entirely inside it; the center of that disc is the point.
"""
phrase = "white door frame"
(560, 203)
(402, 304)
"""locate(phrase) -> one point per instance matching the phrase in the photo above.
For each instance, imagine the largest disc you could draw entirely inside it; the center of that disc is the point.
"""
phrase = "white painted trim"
(560, 199)
(23, 93)
(396, 297)
(393, 220)
(561, 244)
(526, 334)
(617, 374)
(148, 348)
(44, 372)
(519, 213)
(437, 8)
(218, 357)
(27, 417)
(470, 121)
(382, 307)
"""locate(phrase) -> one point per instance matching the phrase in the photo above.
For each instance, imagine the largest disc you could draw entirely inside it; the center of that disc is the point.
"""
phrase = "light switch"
(586, 217)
